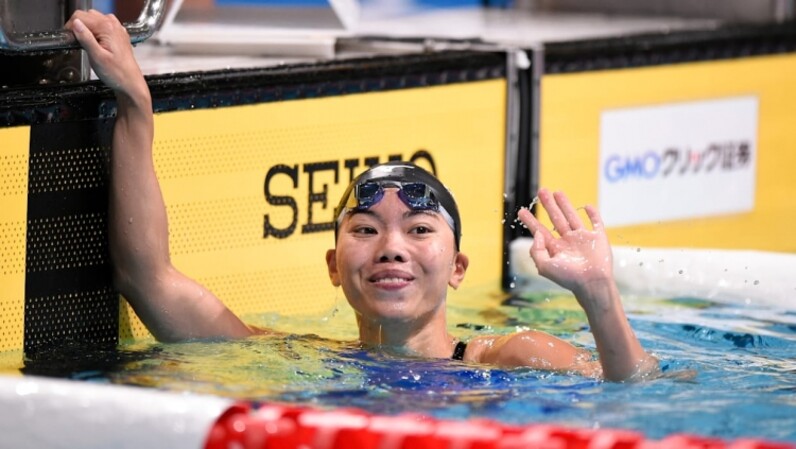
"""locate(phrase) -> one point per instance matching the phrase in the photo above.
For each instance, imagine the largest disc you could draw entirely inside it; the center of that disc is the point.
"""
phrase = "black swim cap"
(404, 173)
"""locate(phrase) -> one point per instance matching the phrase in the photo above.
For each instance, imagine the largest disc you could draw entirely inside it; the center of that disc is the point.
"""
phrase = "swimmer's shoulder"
(502, 350)
(532, 348)
(474, 352)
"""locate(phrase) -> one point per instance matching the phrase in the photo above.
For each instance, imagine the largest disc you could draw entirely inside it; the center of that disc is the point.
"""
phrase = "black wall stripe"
(219, 88)
(643, 50)
(69, 299)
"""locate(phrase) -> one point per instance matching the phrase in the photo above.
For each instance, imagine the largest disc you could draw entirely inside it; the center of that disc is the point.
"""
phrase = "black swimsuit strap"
(458, 351)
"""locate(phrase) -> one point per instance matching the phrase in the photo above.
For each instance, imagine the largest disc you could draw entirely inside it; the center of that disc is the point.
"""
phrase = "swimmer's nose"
(392, 248)
(390, 258)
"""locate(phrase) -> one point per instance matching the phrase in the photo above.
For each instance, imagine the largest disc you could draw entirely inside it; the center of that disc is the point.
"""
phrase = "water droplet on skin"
(130, 220)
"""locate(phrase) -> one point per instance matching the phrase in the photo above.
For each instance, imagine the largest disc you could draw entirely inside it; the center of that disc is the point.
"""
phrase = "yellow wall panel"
(571, 107)
(14, 150)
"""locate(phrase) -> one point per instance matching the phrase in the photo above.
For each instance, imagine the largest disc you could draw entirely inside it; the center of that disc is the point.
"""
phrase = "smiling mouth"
(390, 280)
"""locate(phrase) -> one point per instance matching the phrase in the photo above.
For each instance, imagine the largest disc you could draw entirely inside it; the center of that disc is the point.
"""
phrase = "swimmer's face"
(395, 263)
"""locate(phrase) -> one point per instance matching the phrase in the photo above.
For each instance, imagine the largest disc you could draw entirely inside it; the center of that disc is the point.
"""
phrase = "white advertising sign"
(678, 160)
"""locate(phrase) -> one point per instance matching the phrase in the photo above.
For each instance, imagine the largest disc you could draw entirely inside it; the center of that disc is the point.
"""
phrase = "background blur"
(729, 10)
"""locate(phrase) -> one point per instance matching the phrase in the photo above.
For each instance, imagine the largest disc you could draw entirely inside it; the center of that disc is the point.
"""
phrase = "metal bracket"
(142, 29)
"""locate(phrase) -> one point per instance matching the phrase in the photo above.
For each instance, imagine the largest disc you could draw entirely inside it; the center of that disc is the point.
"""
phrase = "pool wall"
(251, 163)
(741, 277)
(681, 140)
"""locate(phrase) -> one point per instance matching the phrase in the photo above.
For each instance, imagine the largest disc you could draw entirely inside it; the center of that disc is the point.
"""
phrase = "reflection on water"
(744, 360)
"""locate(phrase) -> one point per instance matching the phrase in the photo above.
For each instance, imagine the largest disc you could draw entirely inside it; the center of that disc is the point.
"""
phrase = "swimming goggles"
(417, 188)
(417, 196)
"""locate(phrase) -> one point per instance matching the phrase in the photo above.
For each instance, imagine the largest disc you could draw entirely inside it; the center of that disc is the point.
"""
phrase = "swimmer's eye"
(421, 230)
(366, 230)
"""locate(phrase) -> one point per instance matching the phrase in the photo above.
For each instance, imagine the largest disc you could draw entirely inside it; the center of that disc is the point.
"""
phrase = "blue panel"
(105, 6)
(293, 3)
(448, 3)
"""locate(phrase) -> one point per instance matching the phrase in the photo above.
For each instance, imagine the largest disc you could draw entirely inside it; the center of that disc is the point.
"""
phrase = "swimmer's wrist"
(136, 97)
(598, 296)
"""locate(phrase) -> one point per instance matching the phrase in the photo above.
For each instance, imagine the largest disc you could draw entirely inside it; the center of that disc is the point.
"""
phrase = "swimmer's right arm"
(172, 306)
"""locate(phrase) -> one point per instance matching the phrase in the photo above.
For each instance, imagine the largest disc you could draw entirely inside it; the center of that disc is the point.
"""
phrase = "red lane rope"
(289, 427)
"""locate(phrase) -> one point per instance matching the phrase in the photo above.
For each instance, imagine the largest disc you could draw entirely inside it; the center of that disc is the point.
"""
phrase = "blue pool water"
(728, 371)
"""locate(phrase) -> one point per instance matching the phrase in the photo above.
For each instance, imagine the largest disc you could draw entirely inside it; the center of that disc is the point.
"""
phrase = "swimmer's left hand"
(580, 260)
(580, 257)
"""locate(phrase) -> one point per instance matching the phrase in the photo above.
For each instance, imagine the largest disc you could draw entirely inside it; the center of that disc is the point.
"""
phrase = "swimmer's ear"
(331, 264)
(460, 262)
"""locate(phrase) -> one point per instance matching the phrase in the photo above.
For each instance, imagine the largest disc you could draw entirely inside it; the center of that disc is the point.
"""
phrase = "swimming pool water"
(729, 371)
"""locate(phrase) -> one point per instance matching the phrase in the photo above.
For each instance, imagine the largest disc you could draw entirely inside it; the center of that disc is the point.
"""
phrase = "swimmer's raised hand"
(108, 46)
(580, 260)
(579, 257)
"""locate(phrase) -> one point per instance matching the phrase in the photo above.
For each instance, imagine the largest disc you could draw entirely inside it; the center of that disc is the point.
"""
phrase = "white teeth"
(389, 280)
